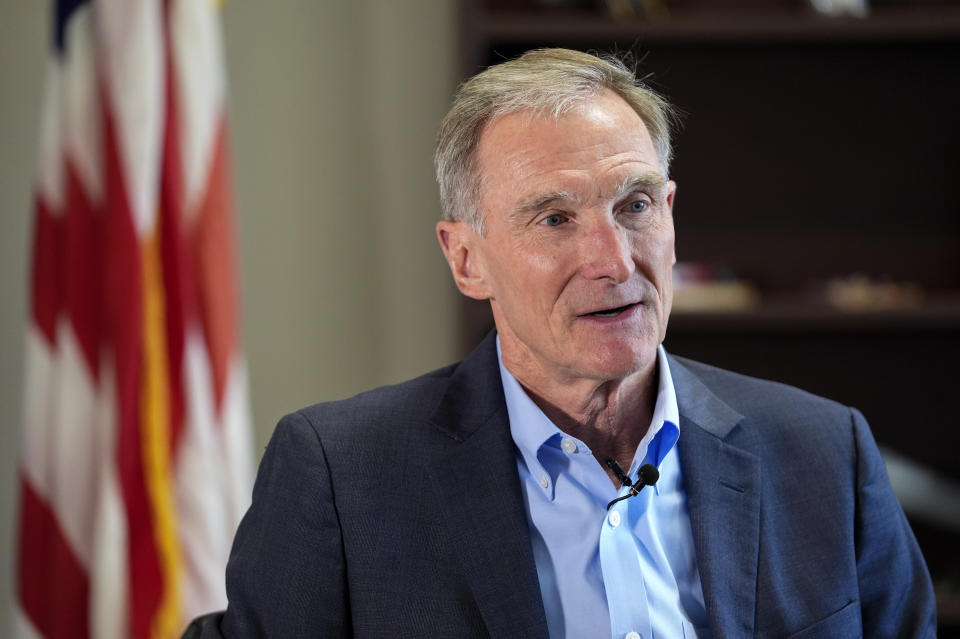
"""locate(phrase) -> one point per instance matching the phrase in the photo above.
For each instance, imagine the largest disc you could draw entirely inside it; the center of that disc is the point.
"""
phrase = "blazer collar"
(479, 491)
(722, 484)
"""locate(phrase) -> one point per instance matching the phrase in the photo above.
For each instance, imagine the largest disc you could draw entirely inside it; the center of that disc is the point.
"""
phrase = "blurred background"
(818, 210)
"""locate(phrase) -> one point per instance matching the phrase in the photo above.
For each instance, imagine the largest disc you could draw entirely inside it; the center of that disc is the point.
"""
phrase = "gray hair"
(545, 81)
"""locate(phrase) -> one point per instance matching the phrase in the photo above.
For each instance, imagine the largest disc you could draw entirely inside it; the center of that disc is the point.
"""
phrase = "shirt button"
(544, 482)
(569, 446)
(633, 635)
(614, 520)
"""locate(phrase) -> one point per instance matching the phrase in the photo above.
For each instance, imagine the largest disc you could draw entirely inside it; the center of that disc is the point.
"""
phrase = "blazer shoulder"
(772, 416)
(756, 396)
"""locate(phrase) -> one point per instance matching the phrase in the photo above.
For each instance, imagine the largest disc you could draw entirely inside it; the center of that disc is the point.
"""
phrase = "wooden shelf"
(934, 23)
(939, 316)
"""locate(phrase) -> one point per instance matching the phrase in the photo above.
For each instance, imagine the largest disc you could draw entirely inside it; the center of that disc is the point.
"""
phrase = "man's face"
(579, 247)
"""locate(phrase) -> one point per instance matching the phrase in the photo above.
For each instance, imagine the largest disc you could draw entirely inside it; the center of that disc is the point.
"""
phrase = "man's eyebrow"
(538, 202)
(650, 181)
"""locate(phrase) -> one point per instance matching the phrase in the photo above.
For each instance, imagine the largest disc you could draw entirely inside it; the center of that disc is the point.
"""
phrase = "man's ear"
(460, 246)
(671, 194)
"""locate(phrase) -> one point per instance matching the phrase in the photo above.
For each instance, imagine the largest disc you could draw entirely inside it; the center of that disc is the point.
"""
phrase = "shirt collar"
(529, 426)
(531, 429)
(665, 425)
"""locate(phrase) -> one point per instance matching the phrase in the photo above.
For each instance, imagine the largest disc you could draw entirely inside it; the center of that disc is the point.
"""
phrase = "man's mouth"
(610, 312)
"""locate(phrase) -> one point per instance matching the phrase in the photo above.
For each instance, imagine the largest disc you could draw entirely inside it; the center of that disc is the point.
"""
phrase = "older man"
(504, 496)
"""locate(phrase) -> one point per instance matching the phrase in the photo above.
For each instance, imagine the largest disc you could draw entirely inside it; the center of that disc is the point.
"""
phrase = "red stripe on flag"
(124, 319)
(46, 282)
(82, 257)
(175, 260)
(214, 257)
(53, 586)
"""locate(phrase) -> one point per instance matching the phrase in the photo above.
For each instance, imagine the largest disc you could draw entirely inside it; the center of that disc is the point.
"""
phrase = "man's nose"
(606, 252)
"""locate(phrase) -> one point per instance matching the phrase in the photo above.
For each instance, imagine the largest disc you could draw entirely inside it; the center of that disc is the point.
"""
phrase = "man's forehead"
(595, 105)
(602, 107)
(514, 140)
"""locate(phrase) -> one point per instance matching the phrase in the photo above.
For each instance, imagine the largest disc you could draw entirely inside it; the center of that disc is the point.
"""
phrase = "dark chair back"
(207, 625)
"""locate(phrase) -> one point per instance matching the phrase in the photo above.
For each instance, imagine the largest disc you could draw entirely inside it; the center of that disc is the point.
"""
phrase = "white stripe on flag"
(198, 59)
(109, 594)
(73, 443)
(50, 165)
(80, 105)
(236, 444)
(21, 627)
(39, 378)
(199, 473)
(131, 38)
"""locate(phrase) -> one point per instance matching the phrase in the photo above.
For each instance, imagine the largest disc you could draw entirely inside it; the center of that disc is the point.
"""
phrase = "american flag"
(135, 466)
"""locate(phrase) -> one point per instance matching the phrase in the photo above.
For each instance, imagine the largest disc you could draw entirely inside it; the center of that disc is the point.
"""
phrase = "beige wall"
(333, 108)
(23, 47)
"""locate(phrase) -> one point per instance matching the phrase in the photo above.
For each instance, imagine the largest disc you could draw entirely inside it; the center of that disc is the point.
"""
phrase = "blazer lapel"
(722, 483)
(475, 472)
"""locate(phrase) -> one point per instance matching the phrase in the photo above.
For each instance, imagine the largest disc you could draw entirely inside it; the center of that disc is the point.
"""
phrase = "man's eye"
(637, 206)
(553, 220)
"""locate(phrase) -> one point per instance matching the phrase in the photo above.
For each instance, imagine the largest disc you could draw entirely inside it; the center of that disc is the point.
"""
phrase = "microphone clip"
(646, 476)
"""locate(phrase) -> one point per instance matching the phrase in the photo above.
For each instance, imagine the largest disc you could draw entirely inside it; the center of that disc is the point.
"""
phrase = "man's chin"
(619, 365)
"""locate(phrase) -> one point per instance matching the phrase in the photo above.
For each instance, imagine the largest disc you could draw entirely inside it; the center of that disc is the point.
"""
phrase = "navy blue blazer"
(399, 513)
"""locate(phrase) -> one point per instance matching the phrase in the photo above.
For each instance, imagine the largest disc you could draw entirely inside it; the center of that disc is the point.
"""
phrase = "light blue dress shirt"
(626, 573)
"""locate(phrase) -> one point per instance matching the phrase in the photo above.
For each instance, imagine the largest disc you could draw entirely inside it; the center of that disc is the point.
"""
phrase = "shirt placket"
(622, 575)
